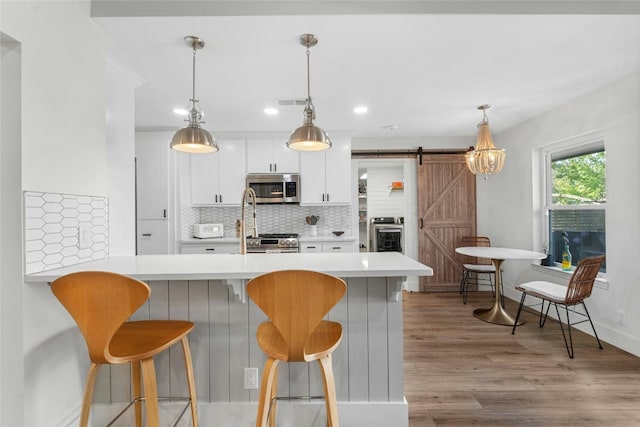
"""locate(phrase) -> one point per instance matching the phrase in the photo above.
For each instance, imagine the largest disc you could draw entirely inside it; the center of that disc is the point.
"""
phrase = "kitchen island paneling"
(209, 290)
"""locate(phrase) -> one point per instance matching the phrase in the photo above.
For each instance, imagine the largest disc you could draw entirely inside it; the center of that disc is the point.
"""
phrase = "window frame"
(570, 147)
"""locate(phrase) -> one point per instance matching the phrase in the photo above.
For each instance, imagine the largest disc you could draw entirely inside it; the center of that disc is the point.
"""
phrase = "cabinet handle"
(164, 213)
(323, 197)
(221, 198)
(270, 167)
(336, 247)
(275, 167)
(421, 223)
(210, 249)
(327, 197)
(311, 247)
(216, 196)
(146, 234)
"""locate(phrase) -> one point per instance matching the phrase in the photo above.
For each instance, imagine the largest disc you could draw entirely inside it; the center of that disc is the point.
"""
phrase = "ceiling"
(420, 74)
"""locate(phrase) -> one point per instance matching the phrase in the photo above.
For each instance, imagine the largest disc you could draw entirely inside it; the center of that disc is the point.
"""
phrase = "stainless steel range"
(273, 243)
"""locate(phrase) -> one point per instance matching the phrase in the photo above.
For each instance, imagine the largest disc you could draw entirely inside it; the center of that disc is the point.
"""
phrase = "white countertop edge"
(219, 267)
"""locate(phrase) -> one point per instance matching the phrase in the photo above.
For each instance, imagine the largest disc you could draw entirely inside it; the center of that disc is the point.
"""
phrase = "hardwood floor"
(461, 371)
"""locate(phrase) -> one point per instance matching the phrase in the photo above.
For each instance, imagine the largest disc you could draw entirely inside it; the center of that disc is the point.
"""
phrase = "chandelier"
(485, 158)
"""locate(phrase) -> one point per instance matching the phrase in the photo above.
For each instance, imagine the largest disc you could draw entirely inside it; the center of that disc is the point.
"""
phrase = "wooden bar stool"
(295, 301)
(100, 303)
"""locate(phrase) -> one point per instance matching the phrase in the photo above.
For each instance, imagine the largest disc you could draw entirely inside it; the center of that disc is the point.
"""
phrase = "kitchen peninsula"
(209, 290)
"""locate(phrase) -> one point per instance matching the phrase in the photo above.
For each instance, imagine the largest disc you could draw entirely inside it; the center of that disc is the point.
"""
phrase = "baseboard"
(303, 413)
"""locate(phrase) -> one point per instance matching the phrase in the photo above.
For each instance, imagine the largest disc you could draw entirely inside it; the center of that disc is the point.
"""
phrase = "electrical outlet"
(84, 236)
(251, 378)
(622, 320)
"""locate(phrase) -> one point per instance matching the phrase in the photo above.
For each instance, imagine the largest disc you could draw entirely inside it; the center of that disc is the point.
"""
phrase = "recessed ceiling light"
(270, 111)
(181, 111)
(360, 109)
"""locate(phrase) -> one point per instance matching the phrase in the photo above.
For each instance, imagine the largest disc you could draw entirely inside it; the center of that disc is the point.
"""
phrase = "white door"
(152, 175)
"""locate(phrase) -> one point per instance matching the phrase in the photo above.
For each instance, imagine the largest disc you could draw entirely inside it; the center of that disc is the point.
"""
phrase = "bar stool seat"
(100, 303)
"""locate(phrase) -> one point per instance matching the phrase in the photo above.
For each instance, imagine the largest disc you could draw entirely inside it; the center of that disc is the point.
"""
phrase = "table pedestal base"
(497, 315)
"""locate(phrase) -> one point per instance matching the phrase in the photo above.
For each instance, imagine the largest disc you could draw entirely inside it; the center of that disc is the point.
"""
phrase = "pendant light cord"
(308, 74)
(193, 98)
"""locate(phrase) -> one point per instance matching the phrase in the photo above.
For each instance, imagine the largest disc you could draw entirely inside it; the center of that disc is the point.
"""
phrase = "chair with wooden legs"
(295, 301)
(477, 271)
(100, 303)
(578, 289)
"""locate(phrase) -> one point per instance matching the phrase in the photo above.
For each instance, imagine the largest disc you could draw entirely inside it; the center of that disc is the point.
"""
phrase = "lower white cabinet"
(210, 248)
(152, 237)
(327, 247)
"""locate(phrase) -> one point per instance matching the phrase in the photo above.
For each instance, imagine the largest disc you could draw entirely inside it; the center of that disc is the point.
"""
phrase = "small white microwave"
(207, 231)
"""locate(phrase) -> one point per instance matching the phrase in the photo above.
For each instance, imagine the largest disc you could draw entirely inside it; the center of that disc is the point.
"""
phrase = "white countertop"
(328, 238)
(203, 267)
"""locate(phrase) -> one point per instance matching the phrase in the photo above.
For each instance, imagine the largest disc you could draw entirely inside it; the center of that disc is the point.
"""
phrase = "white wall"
(63, 151)
(11, 364)
(120, 138)
(509, 203)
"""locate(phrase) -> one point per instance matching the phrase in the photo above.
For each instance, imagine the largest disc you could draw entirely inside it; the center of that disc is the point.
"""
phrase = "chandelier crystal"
(485, 158)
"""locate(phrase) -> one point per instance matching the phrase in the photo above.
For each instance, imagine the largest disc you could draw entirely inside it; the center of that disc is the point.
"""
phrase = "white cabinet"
(152, 237)
(327, 246)
(210, 248)
(326, 175)
(219, 178)
(271, 156)
(338, 247)
(152, 175)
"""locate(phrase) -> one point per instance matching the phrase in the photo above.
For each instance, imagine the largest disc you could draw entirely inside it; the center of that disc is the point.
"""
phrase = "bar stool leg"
(150, 391)
(88, 394)
(269, 372)
(329, 390)
(137, 391)
(188, 364)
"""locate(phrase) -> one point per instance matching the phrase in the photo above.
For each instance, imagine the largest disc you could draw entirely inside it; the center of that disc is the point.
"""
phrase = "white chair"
(578, 289)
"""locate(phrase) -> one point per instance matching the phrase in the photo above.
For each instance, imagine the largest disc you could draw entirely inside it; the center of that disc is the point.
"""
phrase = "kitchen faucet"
(247, 195)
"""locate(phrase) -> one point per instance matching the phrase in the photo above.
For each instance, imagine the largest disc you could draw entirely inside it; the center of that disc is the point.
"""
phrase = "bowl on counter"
(338, 233)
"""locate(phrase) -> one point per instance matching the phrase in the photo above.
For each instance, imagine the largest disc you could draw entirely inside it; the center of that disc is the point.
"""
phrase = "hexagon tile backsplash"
(64, 229)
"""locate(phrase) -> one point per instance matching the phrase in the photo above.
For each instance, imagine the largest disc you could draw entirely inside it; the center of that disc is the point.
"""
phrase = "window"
(576, 201)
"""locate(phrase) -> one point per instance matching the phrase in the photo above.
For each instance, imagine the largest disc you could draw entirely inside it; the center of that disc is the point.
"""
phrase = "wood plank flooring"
(461, 371)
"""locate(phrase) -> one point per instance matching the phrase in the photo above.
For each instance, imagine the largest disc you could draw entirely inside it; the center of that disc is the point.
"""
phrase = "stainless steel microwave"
(275, 187)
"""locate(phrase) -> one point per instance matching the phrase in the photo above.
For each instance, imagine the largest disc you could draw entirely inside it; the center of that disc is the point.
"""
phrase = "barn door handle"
(421, 223)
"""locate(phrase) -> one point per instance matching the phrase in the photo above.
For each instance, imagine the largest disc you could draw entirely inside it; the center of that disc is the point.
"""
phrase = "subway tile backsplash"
(270, 218)
(52, 222)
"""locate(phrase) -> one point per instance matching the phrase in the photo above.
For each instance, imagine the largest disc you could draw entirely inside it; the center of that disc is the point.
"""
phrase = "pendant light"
(193, 138)
(485, 158)
(309, 137)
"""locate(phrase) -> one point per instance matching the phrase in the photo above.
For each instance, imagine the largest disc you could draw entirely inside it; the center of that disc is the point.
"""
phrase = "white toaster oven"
(208, 231)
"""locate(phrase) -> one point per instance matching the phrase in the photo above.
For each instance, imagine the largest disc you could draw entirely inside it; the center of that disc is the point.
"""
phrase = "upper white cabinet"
(326, 175)
(271, 156)
(219, 178)
(152, 175)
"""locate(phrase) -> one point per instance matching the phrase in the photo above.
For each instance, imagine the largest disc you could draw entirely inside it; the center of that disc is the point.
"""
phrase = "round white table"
(496, 314)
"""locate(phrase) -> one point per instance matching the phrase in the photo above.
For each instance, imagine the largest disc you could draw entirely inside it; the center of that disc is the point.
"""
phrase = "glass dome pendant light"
(485, 158)
(309, 137)
(193, 138)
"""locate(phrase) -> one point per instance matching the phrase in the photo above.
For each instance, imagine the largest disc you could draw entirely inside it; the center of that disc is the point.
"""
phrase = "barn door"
(446, 212)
